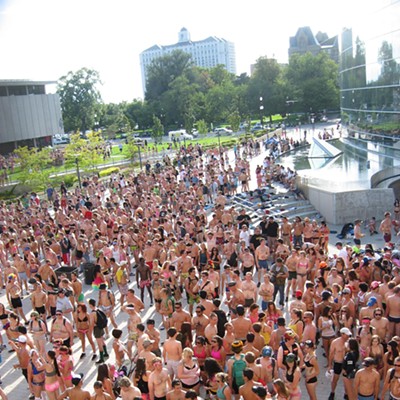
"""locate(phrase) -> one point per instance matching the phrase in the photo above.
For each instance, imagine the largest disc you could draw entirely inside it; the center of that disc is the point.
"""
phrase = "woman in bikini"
(52, 375)
(302, 270)
(38, 329)
(36, 374)
(104, 376)
(312, 369)
(217, 350)
(188, 371)
(81, 318)
(66, 366)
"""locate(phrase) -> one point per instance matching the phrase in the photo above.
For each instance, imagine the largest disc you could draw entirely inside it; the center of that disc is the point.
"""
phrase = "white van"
(179, 135)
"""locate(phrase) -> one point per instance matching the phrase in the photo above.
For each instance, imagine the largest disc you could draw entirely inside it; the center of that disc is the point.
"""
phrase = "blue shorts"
(361, 397)
(263, 264)
(264, 305)
(22, 276)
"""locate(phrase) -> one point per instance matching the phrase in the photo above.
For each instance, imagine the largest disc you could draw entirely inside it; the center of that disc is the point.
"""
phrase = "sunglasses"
(378, 315)
(397, 365)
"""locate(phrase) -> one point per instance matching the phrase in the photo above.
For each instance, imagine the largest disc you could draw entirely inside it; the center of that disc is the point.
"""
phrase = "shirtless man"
(13, 292)
(310, 330)
(392, 381)
(266, 291)
(157, 286)
(367, 380)
(236, 298)
(291, 263)
(249, 289)
(297, 232)
(131, 298)
(106, 304)
(47, 273)
(172, 352)
(211, 329)
(22, 268)
(39, 300)
(262, 254)
(393, 312)
(386, 227)
(200, 321)
(76, 392)
(247, 261)
(176, 393)
(154, 335)
(241, 325)
(381, 325)
(246, 390)
(179, 316)
(149, 253)
(205, 284)
(143, 279)
(184, 264)
(286, 230)
(336, 357)
(76, 284)
(128, 392)
(159, 381)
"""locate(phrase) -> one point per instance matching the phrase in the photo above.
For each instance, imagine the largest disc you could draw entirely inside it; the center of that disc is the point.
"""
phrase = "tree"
(202, 127)
(35, 165)
(79, 99)
(315, 81)
(158, 130)
(163, 71)
(87, 153)
(234, 121)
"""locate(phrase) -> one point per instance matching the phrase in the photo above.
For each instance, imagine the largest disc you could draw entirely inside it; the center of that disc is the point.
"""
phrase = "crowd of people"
(209, 304)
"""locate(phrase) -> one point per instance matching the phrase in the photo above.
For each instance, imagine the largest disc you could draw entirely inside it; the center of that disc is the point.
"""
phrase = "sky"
(45, 39)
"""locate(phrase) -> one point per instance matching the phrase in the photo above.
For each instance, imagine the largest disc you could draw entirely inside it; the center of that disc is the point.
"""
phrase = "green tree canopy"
(315, 81)
(80, 99)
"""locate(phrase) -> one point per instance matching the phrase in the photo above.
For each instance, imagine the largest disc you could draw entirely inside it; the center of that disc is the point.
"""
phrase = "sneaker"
(99, 361)
(331, 396)
(162, 328)
(94, 356)
(287, 299)
(106, 356)
(83, 355)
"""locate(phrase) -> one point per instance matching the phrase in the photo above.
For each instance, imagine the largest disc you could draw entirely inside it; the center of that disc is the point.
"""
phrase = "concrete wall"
(28, 117)
(339, 208)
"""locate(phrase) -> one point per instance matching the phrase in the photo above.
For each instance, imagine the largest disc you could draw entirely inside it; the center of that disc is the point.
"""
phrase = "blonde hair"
(222, 376)
(187, 352)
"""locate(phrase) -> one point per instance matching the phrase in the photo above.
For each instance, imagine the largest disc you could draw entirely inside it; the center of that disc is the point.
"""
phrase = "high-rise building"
(370, 73)
(205, 53)
(306, 42)
(28, 115)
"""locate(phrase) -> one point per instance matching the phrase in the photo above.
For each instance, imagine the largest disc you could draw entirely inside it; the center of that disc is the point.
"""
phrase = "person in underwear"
(36, 374)
(52, 375)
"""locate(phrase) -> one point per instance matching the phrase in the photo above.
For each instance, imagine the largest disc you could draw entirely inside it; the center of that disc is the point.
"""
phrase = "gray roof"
(23, 82)
(311, 40)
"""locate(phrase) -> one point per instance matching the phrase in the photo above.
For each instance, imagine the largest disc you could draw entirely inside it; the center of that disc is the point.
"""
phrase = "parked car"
(60, 139)
(223, 131)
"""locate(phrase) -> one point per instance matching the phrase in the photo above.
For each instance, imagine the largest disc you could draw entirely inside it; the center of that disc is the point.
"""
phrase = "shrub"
(108, 171)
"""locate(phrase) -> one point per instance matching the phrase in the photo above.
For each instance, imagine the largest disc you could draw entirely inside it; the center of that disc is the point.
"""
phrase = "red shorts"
(65, 258)
(150, 264)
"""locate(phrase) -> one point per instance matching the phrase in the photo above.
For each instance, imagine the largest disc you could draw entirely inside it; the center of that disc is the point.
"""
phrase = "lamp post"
(219, 142)
(261, 111)
(140, 157)
(78, 172)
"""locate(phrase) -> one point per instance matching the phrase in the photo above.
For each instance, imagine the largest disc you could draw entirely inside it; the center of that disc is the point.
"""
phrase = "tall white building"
(205, 53)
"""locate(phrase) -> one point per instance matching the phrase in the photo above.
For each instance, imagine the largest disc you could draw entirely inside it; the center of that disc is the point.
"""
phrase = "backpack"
(101, 320)
(239, 365)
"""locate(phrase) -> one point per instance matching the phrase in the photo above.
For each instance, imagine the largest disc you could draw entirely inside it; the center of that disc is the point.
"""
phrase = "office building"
(205, 53)
(370, 73)
(306, 42)
(28, 116)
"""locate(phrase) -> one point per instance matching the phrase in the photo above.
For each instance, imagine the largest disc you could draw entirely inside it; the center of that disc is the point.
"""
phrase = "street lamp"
(140, 157)
(219, 142)
(261, 111)
(78, 172)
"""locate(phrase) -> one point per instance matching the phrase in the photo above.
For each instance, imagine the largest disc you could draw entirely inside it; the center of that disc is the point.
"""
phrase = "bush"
(108, 171)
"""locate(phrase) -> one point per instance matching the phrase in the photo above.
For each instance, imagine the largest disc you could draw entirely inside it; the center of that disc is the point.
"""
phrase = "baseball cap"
(368, 361)
(375, 285)
(291, 357)
(372, 301)
(147, 342)
(266, 351)
(323, 265)
(259, 391)
(326, 294)
(298, 293)
(21, 339)
(346, 291)
(346, 331)
(289, 335)
(76, 378)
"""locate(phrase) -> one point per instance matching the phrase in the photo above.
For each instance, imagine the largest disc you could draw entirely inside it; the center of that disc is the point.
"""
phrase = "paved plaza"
(15, 385)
